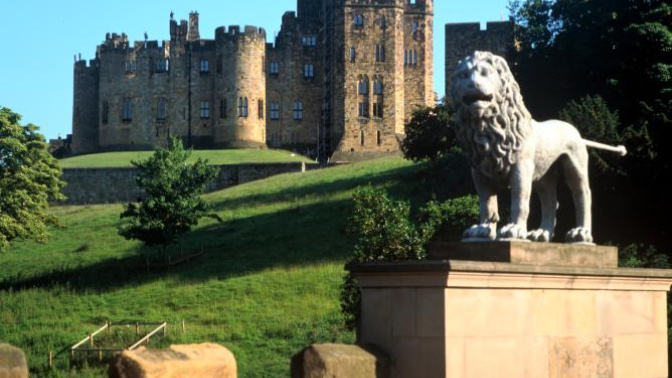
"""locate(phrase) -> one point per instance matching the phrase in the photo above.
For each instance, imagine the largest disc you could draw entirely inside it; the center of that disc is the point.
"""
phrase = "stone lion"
(508, 149)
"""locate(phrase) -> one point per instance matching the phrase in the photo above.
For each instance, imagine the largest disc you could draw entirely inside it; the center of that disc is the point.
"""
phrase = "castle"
(340, 80)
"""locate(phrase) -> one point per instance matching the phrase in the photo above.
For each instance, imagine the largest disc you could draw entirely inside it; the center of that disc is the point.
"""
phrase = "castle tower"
(194, 35)
(85, 108)
(385, 67)
(241, 89)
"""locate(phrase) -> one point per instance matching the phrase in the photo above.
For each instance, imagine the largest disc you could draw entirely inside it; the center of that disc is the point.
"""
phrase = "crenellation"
(300, 92)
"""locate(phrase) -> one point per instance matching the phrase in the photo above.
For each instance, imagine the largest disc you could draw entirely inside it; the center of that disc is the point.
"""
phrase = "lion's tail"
(618, 149)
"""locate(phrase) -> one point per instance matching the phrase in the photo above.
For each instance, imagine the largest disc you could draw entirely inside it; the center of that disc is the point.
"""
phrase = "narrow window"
(379, 138)
(363, 86)
(161, 109)
(275, 110)
(364, 108)
(127, 114)
(205, 66)
(358, 20)
(383, 22)
(378, 110)
(405, 57)
(106, 111)
(240, 106)
(309, 71)
(380, 53)
(260, 108)
(415, 27)
(245, 107)
(378, 86)
(353, 54)
(275, 68)
(309, 40)
(205, 109)
(415, 57)
(298, 110)
(222, 108)
(361, 137)
(220, 64)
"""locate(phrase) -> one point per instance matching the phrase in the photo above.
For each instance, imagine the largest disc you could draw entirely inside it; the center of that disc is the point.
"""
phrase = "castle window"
(309, 71)
(405, 57)
(358, 21)
(161, 109)
(379, 138)
(205, 109)
(364, 109)
(222, 108)
(378, 110)
(106, 111)
(127, 113)
(361, 137)
(260, 108)
(130, 66)
(275, 68)
(298, 110)
(162, 65)
(415, 26)
(411, 2)
(309, 41)
(380, 53)
(383, 22)
(220, 64)
(363, 86)
(415, 57)
(243, 110)
(205, 66)
(353, 54)
(378, 86)
(275, 110)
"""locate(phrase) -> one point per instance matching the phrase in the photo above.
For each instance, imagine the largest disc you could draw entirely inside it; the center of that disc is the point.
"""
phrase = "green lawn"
(123, 159)
(267, 287)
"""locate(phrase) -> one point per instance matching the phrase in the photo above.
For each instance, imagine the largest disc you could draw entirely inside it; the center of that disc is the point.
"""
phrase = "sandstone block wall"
(116, 185)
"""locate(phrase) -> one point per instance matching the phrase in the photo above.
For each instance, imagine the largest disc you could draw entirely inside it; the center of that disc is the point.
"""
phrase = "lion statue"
(508, 149)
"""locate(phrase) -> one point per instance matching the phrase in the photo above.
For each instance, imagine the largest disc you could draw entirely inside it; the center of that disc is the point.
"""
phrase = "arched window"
(380, 53)
(205, 66)
(161, 110)
(298, 110)
(363, 86)
(378, 86)
(358, 20)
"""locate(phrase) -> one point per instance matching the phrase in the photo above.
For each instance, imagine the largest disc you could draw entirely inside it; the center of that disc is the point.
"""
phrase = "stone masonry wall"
(115, 185)
(464, 38)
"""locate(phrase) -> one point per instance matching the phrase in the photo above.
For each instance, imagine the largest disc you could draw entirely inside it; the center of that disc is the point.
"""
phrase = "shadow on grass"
(302, 235)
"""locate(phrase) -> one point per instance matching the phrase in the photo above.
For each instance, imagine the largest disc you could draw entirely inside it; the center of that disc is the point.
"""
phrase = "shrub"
(430, 134)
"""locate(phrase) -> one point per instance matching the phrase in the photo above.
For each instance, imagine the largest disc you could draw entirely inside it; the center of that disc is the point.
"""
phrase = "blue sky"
(40, 39)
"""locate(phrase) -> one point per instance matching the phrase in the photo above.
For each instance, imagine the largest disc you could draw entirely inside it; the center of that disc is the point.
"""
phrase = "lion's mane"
(493, 140)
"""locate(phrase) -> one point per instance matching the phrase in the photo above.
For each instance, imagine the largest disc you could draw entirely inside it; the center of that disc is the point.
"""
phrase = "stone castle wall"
(464, 38)
(116, 185)
(299, 93)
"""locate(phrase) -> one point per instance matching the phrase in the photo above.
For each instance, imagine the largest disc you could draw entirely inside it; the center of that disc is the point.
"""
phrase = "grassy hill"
(123, 159)
(267, 287)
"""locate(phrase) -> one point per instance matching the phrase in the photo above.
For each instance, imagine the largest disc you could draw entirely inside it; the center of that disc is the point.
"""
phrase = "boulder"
(13, 362)
(339, 361)
(196, 360)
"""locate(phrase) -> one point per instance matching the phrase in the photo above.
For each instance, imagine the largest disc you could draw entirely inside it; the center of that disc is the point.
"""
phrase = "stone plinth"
(457, 318)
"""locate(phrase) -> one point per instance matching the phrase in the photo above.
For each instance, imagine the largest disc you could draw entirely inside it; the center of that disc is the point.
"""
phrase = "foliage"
(642, 256)
(173, 203)
(29, 179)
(595, 121)
(430, 134)
(622, 51)
(453, 216)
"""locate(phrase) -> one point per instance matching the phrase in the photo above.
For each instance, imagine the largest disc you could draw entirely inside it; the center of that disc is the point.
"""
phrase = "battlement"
(83, 64)
(475, 27)
(233, 33)
(408, 5)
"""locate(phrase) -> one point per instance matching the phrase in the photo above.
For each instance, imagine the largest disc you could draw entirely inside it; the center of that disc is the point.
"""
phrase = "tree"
(29, 179)
(430, 134)
(173, 203)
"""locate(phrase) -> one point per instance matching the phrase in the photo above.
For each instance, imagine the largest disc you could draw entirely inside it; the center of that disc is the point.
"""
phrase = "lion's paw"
(540, 235)
(479, 232)
(579, 235)
(513, 231)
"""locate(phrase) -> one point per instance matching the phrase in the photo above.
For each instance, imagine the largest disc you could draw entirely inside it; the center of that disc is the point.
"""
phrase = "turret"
(85, 110)
(193, 27)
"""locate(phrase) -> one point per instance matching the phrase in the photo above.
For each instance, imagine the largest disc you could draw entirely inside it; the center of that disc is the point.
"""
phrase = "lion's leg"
(546, 190)
(487, 228)
(575, 168)
(521, 189)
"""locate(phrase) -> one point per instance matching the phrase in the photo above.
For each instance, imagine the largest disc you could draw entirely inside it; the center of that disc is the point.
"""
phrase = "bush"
(430, 134)
(385, 232)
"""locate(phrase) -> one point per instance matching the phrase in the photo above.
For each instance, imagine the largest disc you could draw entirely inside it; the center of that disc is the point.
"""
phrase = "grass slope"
(267, 287)
(123, 159)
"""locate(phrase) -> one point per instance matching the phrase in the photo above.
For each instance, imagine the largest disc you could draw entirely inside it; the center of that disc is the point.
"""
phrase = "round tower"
(241, 87)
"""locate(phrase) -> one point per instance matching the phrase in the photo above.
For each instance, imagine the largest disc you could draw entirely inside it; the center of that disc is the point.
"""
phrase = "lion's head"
(491, 117)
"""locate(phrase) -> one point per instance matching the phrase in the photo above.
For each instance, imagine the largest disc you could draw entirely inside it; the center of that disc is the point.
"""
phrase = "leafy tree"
(430, 134)
(173, 203)
(29, 179)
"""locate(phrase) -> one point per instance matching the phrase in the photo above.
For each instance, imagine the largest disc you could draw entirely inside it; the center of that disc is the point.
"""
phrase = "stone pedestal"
(579, 317)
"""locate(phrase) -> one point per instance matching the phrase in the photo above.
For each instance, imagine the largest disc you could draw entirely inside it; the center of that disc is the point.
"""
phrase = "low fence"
(115, 185)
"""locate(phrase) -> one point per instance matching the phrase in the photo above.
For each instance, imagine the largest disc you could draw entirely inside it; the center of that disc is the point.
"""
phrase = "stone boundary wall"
(116, 185)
